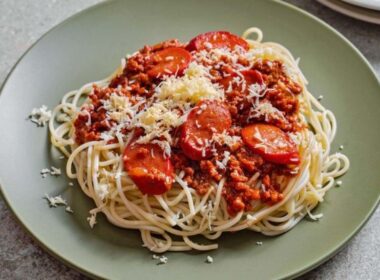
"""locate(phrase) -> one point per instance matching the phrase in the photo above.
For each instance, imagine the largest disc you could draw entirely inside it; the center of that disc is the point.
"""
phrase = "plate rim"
(352, 11)
(365, 4)
(293, 274)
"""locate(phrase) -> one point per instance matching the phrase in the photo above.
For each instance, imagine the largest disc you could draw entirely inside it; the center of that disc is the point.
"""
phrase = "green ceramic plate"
(89, 46)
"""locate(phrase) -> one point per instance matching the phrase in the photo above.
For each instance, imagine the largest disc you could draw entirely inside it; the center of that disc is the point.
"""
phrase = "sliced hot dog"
(250, 77)
(216, 39)
(271, 143)
(207, 118)
(169, 61)
(148, 168)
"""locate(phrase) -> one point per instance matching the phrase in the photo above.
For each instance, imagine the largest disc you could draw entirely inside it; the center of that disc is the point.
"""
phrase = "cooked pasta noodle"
(170, 221)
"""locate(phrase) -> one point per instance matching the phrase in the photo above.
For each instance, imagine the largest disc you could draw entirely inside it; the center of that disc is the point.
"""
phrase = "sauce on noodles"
(243, 135)
(217, 135)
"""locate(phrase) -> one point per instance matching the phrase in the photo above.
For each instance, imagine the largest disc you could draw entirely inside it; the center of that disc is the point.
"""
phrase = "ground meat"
(210, 169)
(239, 192)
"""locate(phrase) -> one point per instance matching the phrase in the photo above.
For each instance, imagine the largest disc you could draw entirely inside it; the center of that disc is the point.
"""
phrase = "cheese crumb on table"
(339, 183)
(259, 243)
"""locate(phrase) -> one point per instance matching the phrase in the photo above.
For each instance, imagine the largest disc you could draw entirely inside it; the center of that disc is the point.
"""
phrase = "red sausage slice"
(271, 143)
(207, 118)
(169, 61)
(216, 39)
(148, 168)
(250, 77)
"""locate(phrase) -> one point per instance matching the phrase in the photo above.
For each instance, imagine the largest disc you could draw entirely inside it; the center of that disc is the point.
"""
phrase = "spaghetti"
(229, 180)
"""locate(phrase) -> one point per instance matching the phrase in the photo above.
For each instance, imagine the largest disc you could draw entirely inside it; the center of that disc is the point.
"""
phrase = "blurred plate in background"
(370, 4)
(357, 12)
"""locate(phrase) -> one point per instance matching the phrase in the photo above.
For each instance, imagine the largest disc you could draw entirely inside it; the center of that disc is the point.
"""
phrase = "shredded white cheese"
(92, 219)
(40, 116)
(55, 201)
(161, 259)
(226, 157)
(101, 191)
(224, 138)
(251, 218)
(44, 172)
(53, 171)
(209, 259)
(256, 91)
(194, 86)
(266, 110)
(68, 209)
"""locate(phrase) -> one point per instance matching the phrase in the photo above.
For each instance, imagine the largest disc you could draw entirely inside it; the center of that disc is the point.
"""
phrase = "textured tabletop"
(22, 22)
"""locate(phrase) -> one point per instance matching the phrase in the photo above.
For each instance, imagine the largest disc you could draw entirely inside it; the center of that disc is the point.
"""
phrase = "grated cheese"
(92, 219)
(256, 91)
(55, 201)
(251, 218)
(194, 86)
(158, 115)
(209, 259)
(226, 158)
(224, 138)
(118, 108)
(54, 171)
(266, 110)
(40, 116)
(161, 259)
(220, 164)
(117, 175)
(296, 138)
(101, 191)
(44, 172)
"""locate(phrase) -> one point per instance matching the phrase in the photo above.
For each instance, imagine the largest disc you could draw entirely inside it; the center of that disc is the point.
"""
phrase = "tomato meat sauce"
(244, 137)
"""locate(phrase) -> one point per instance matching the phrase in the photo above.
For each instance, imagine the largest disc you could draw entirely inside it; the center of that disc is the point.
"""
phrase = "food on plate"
(216, 135)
